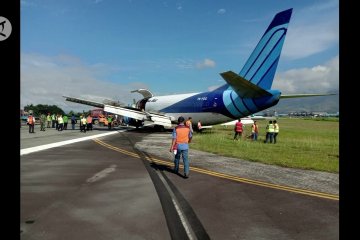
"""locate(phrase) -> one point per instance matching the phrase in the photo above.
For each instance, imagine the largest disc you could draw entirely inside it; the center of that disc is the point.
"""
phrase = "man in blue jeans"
(181, 136)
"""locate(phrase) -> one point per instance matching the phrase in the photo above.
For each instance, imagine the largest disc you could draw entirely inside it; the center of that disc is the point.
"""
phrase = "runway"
(115, 187)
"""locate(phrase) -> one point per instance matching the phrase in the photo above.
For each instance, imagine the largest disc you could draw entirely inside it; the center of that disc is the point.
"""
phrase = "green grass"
(301, 143)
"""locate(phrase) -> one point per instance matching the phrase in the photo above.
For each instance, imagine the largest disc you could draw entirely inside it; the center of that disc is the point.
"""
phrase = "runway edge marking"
(62, 143)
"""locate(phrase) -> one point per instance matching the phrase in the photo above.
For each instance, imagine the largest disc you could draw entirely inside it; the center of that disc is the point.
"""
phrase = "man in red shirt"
(238, 129)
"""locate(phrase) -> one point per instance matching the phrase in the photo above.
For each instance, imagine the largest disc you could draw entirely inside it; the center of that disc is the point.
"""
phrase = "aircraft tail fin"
(261, 66)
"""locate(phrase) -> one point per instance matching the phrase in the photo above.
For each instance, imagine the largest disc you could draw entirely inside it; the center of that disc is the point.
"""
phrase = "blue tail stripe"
(267, 64)
(239, 104)
(265, 81)
(236, 101)
(272, 49)
(250, 104)
(265, 46)
(229, 103)
(266, 38)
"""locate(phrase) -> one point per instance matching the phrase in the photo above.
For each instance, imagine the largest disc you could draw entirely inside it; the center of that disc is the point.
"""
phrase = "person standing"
(109, 119)
(66, 119)
(31, 123)
(42, 122)
(188, 123)
(276, 130)
(181, 136)
(89, 122)
(73, 122)
(53, 120)
(269, 132)
(82, 123)
(48, 119)
(60, 122)
(254, 131)
(199, 126)
(57, 122)
(238, 129)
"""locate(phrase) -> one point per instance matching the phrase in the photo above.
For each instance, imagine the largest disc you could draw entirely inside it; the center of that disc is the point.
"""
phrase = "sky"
(104, 49)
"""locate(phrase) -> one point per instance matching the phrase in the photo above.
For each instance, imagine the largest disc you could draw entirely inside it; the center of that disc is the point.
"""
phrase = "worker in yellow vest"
(82, 123)
(60, 122)
(276, 130)
(109, 119)
(48, 120)
(53, 120)
(269, 132)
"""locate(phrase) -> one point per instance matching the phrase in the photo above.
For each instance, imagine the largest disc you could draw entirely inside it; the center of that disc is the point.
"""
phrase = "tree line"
(39, 109)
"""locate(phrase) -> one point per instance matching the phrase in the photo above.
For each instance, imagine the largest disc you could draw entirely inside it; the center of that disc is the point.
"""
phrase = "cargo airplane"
(244, 93)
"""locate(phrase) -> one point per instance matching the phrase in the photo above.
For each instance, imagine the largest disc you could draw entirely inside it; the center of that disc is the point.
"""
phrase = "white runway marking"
(58, 144)
(102, 174)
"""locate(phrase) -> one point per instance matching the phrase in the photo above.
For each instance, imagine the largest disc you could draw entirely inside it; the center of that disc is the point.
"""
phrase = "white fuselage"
(158, 104)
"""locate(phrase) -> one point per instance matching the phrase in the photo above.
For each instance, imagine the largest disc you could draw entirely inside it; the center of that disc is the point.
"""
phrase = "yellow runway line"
(227, 176)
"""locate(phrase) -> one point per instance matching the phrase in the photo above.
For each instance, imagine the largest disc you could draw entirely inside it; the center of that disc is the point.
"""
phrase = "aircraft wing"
(147, 117)
(305, 95)
(243, 87)
(85, 102)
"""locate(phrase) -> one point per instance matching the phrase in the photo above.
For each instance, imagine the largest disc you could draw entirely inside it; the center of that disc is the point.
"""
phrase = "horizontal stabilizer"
(305, 95)
(243, 87)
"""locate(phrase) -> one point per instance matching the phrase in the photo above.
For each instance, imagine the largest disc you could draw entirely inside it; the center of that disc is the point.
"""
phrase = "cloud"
(221, 11)
(317, 79)
(179, 6)
(312, 30)
(206, 63)
(44, 80)
(311, 39)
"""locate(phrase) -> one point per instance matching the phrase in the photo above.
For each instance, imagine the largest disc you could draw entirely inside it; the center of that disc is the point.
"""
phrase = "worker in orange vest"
(89, 122)
(181, 136)
(31, 123)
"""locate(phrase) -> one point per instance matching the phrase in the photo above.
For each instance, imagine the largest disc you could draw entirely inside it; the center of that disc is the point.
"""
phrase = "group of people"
(59, 122)
(56, 121)
(272, 130)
